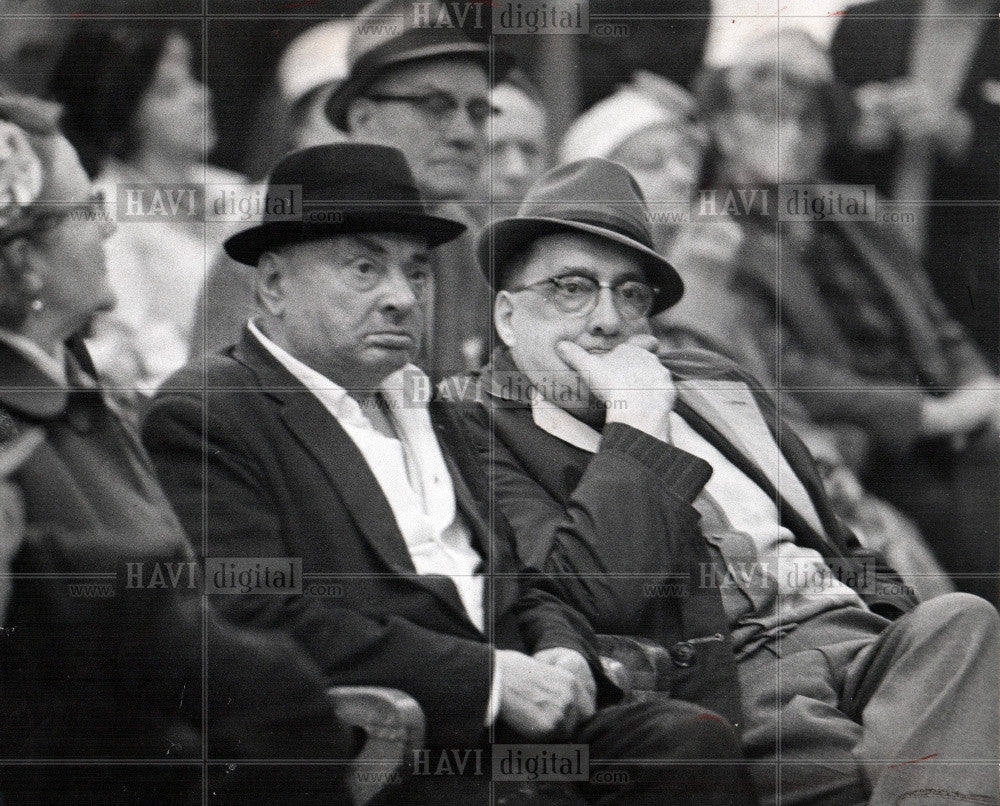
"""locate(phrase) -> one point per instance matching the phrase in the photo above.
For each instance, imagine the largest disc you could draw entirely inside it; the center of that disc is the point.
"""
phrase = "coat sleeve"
(207, 468)
(545, 618)
(965, 361)
(619, 529)
(832, 393)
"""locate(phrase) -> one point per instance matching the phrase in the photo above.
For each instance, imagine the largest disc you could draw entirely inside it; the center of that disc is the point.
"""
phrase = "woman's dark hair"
(100, 79)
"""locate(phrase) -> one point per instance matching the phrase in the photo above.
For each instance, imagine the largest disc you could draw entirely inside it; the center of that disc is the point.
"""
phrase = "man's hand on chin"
(630, 380)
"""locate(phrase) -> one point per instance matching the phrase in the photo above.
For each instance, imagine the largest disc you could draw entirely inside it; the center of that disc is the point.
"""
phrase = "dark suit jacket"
(873, 42)
(283, 479)
(120, 674)
(606, 525)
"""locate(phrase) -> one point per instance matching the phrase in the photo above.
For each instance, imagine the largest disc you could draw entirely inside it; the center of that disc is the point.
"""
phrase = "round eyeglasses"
(577, 295)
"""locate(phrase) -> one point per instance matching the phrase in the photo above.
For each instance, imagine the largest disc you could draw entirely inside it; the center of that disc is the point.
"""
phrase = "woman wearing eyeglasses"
(143, 124)
(106, 643)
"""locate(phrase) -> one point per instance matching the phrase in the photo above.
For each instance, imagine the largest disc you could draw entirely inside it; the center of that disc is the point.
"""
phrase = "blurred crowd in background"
(875, 325)
(879, 333)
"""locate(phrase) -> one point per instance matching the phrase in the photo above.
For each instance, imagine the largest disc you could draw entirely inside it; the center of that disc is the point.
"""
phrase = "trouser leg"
(798, 739)
(667, 752)
(926, 693)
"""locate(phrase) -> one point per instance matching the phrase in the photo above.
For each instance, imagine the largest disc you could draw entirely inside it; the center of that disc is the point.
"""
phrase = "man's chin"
(89, 322)
(388, 360)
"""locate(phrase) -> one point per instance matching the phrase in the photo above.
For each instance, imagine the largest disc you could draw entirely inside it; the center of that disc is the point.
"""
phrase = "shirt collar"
(563, 425)
(395, 388)
(503, 380)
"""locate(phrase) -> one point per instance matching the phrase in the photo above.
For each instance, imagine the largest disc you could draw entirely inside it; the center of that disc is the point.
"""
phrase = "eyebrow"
(370, 244)
(421, 256)
(586, 271)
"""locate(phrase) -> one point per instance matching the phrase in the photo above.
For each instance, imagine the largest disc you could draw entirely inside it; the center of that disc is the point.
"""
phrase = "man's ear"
(503, 310)
(272, 283)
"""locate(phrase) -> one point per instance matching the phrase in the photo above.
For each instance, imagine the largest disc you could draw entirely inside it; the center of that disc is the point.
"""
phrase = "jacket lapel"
(466, 501)
(691, 371)
(732, 409)
(792, 294)
(805, 533)
(909, 307)
(345, 467)
(322, 437)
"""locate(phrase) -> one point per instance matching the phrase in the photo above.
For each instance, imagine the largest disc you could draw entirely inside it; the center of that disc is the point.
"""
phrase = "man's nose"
(463, 130)
(397, 293)
(605, 319)
(513, 164)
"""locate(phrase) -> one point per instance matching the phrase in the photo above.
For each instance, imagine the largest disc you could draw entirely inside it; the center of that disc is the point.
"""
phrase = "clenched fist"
(636, 389)
(539, 700)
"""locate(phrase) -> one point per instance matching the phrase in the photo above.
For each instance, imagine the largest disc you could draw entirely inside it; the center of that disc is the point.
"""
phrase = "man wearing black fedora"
(661, 494)
(313, 440)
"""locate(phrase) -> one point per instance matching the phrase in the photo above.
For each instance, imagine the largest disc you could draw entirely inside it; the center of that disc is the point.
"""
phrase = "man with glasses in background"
(425, 90)
(663, 496)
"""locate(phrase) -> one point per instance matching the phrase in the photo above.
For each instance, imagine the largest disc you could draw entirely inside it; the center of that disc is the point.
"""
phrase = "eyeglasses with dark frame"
(577, 294)
(440, 106)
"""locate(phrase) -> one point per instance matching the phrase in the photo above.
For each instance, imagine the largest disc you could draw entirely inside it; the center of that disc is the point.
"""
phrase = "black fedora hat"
(345, 188)
(592, 196)
(373, 51)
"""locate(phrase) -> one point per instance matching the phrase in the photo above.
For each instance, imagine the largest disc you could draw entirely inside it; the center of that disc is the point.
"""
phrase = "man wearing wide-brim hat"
(418, 83)
(666, 498)
(314, 441)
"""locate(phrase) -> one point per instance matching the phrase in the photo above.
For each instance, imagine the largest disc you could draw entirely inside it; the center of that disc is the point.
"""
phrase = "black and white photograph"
(499, 402)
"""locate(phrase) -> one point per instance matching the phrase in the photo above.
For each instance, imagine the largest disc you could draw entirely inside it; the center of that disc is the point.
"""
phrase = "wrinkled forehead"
(677, 134)
(512, 101)
(519, 116)
(340, 249)
(590, 255)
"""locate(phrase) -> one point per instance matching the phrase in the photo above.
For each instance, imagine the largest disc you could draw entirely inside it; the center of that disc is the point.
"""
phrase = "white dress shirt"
(411, 472)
